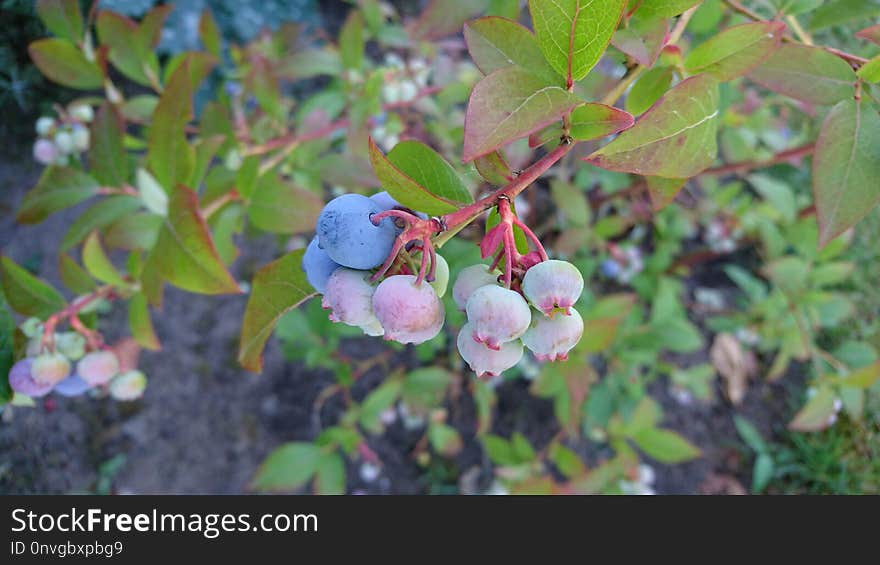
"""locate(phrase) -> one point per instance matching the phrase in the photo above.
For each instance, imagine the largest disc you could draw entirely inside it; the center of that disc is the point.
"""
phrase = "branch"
(746, 166)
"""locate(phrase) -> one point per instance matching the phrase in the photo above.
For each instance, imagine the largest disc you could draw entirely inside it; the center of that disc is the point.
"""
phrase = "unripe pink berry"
(50, 368)
(497, 315)
(484, 361)
(129, 385)
(409, 313)
(553, 285)
(22, 382)
(349, 297)
(45, 152)
(550, 339)
(470, 279)
(98, 367)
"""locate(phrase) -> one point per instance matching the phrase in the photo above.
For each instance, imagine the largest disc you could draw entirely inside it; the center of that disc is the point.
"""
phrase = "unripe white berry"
(552, 286)
(349, 297)
(409, 313)
(470, 279)
(45, 152)
(550, 339)
(64, 142)
(82, 113)
(484, 361)
(497, 315)
(45, 125)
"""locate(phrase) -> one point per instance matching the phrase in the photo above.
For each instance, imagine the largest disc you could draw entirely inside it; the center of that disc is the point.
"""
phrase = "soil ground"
(204, 424)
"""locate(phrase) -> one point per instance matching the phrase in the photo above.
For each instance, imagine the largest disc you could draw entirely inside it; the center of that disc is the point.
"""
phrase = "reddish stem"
(72, 311)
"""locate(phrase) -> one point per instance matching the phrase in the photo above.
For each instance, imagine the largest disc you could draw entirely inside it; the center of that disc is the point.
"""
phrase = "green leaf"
(806, 73)
(750, 434)
(140, 324)
(663, 191)
(762, 472)
(509, 104)
(777, 193)
(674, 139)
(351, 41)
(278, 206)
(664, 8)
(817, 414)
(287, 468)
(128, 51)
(642, 39)
(263, 81)
(330, 474)
(57, 189)
(665, 446)
(62, 62)
(26, 294)
(74, 277)
(573, 34)
(380, 399)
(62, 17)
(736, 50)
(169, 155)
(870, 71)
(499, 450)
(445, 17)
(152, 194)
(648, 89)
(184, 253)
(97, 263)
(838, 12)
(425, 388)
(566, 460)
(108, 160)
(497, 43)
(846, 166)
(209, 34)
(444, 439)
(592, 121)
(7, 351)
(493, 168)
(134, 231)
(277, 288)
(404, 188)
(151, 26)
(863, 378)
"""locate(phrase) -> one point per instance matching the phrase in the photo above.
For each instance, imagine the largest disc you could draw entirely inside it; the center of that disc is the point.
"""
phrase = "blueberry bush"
(499, 191)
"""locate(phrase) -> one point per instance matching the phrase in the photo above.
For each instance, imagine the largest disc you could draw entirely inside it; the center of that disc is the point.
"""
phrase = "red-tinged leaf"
(128, 50)
(200, 65)
(663, 8)
(737, 50)
(264, 84)
(62, 17)
(97, 263)
(404, 188)
(26, 294)
(277, 288)
(134, 231)
(510, 104)
(140, 323)
(170, 156)
(151, 25)
(279, 206)
(209, 34)
(663, 191)
(496, 43)
(674, 139)
(642, 39)
(665, 446)
(592, 121)
(648, 89)
(871, 34)
(445, 17)
(573, 34)
(184, 254)
(602, 322)
(817, 414)
(74, 277)
(57, 189)
(108, 160)
(806, 73)
(846, 166)
(553, 132)
(493, 168)
(62, 62)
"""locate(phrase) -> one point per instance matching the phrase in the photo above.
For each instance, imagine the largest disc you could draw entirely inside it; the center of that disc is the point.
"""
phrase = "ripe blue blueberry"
(22, 382)
(387, 202)
(318, 266)
(610, 268)
(349, 237)
(74, 385)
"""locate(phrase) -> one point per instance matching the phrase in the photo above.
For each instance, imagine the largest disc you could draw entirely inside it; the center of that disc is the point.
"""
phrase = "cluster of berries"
(500, 320)
(51, 369)
(338, 260)
(59, 140)
(403, 80)
(623, 264)
(352, 239)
